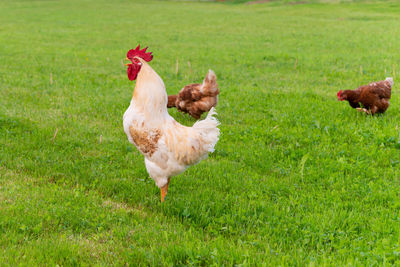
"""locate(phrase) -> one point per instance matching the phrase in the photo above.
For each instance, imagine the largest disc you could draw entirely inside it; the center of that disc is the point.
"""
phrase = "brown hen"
(372, 98)
(196, 98)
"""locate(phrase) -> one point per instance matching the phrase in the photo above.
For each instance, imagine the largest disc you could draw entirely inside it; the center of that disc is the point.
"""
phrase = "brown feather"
(171, 101)
(196, 98)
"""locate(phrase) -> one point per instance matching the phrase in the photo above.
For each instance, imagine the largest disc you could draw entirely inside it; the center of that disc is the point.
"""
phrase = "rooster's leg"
(164, 190)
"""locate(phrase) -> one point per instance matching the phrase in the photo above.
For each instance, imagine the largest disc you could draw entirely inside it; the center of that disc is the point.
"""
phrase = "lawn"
(297, 177)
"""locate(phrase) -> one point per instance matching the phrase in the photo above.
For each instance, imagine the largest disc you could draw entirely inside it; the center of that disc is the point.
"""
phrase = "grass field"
(297, 178)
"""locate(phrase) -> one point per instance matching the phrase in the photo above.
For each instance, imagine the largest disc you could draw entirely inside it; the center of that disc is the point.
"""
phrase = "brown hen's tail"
(210, 86)
(171, 101)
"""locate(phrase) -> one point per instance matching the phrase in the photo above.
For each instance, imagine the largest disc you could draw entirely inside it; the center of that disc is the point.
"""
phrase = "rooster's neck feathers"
(150, 93)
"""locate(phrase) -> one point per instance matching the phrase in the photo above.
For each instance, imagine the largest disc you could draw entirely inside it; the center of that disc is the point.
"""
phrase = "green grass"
(297, 178)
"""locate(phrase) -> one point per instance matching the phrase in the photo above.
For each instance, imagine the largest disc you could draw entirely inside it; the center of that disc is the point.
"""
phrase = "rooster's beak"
(127, 64)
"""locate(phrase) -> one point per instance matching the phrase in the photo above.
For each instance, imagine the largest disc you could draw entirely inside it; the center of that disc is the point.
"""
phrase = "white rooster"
(168, 147)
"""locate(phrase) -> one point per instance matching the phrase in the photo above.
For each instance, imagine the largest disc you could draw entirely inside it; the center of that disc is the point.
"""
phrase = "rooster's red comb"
(339, 93)
(139, 53)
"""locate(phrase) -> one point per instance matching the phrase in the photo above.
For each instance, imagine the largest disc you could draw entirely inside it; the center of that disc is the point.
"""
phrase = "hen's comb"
(339, 93)
(139, 53)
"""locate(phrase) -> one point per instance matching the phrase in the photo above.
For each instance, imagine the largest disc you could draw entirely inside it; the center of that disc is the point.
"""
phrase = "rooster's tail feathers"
(208, 129)
(211, 115)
